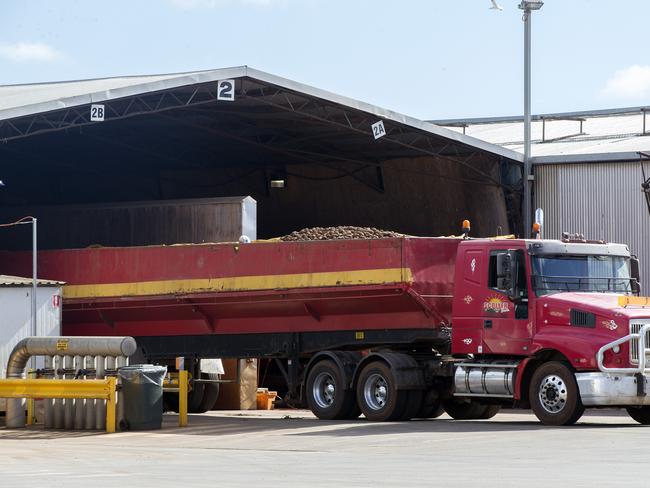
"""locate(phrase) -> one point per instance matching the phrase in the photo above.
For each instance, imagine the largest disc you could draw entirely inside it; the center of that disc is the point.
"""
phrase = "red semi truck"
(394, 328)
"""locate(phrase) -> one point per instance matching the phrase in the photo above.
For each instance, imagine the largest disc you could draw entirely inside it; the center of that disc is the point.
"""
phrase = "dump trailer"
(393, 328)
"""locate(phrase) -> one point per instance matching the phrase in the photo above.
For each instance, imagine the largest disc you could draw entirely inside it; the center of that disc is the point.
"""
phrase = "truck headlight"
(616, 349)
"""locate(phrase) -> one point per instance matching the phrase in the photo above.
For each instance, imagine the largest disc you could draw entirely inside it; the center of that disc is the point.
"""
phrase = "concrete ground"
(293, 449)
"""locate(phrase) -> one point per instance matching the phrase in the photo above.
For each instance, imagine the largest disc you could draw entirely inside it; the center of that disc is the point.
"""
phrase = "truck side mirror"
(635, 283)
(507, 273)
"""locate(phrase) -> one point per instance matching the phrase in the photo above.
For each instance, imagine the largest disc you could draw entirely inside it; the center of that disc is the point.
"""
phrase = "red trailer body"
(262, 287)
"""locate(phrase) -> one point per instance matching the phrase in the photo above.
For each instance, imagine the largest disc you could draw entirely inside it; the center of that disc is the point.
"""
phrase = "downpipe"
(53, 346)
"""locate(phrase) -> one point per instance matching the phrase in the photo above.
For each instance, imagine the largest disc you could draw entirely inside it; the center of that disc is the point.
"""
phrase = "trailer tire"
(413, 404)
(210, 392)
(640, 414)
(431, 406)
(554, 395)
(327, 394)
(194, 399)
(377, 393)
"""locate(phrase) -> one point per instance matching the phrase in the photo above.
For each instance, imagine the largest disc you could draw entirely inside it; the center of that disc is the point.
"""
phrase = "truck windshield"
(554, 274)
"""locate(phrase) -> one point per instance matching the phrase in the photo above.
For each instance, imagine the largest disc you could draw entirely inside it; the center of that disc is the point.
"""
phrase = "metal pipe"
(121, 362)
(43, 346)
(89, 409)
(58, 402)
(68, 409)
(49, 402)
(34, 283)
(100, 405)
(78, 402)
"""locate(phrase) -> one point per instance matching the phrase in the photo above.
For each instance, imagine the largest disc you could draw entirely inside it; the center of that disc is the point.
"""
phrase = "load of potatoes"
(339, 232)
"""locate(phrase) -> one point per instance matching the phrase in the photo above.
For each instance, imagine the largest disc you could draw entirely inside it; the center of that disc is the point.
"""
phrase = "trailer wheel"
(327, 395)
(554, 395)
(194, 399)
(413, 404)
(640, 414)
(431, 406)
(459, 409)
(377, 394)
(210, 392)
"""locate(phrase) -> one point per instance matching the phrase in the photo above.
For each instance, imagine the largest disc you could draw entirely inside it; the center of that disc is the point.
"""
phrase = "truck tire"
(469, 409)
(554, 395)
(640, 414)
(327, 394)
(378, 396)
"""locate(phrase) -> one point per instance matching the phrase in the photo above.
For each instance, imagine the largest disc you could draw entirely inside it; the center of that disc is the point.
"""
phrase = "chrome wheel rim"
(375, 391)
(553, 394)
(324, 390)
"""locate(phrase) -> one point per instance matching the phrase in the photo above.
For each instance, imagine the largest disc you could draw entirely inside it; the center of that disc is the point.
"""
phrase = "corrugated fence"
(600, 200)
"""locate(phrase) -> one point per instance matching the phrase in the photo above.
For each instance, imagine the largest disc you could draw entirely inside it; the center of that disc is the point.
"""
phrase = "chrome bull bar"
(642, 351)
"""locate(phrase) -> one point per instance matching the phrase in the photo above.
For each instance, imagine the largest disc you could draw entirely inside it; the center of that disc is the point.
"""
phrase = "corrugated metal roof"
(8, 280)
(25, 100)
(616, 134)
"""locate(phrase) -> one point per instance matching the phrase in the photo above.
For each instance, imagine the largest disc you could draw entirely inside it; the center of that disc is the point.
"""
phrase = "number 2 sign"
(226, 90)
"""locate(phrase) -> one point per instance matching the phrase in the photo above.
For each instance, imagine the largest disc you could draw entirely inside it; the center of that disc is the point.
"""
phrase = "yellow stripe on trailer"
(240, 283)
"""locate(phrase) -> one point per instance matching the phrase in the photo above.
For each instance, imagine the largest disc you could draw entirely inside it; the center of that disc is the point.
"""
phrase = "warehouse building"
(592, 172)
(306, 156)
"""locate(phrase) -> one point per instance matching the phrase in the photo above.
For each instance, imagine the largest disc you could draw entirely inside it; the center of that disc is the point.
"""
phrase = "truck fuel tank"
(487, 379)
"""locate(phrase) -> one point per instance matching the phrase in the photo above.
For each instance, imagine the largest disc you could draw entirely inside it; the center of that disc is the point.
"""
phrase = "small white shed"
(16, 314)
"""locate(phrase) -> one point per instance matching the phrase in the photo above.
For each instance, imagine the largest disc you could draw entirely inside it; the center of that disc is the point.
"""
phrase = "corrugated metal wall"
(600, 200)
(16, 319)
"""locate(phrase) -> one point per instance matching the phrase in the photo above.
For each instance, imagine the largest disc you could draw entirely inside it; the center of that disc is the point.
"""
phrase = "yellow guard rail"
(42, 388)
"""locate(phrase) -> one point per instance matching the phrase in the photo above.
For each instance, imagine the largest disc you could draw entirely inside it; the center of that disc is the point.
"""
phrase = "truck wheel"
(490, 411)
(554, 395)
(377, 394)
(326, 392)
(468, 409)
(640, 414)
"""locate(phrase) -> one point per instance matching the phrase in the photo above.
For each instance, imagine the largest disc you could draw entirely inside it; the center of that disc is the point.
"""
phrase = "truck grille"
(635, 327)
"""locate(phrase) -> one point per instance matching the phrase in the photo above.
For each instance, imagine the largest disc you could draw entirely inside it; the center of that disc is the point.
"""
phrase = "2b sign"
(97, 113)
(226, 90)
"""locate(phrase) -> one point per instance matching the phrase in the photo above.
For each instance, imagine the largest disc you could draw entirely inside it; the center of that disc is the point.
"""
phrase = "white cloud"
(29, 51)
(632, 82)
(193, 4)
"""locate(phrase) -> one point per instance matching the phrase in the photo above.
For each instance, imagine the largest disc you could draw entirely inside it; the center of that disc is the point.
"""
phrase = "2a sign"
(226, 90)
(378, 129)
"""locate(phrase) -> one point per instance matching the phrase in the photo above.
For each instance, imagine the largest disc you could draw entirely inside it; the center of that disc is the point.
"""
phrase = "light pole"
(30, 220)
(527, 6)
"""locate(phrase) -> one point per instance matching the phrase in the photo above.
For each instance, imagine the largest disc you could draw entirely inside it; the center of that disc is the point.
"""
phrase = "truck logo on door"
(496, 305)
(467, 341)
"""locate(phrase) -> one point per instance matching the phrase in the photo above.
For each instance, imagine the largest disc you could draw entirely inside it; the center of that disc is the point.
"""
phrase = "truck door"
(469, 292)
(507, 328)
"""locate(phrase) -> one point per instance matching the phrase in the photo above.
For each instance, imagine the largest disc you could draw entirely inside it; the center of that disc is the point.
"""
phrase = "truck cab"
(557, 324)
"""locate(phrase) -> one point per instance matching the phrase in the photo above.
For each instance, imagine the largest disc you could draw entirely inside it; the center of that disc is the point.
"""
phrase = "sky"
(430, 59)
